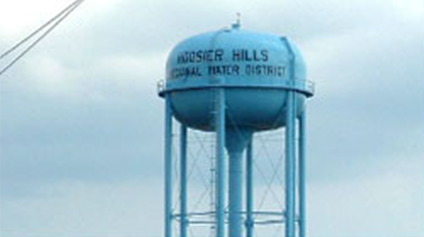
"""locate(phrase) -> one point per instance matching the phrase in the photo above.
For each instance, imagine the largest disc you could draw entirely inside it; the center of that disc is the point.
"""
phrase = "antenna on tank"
(237, 24)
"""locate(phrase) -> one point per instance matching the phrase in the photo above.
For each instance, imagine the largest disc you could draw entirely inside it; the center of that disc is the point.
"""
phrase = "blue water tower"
(235, 83)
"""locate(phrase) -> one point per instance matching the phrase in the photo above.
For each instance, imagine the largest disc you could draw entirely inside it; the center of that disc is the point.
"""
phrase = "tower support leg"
(168, 168)
(290, 165)
(249, 189)
(183, 182)
(220, 167)
(302, 174)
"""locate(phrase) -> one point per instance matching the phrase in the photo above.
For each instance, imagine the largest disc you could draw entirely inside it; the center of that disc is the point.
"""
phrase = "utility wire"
(38, 29)
(57, 19)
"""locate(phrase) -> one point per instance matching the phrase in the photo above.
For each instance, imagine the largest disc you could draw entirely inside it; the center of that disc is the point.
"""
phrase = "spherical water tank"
(256, 70)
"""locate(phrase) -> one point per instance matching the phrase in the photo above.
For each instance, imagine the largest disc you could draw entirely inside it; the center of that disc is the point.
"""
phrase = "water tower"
(234, 83)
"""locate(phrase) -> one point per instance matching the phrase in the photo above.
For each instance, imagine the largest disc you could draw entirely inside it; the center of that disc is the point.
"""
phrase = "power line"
(39, 29)
(55, 21)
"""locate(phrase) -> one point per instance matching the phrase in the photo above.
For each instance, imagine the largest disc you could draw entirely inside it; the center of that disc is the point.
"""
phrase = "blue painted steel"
(234, 195)
(220, 159)
(291, 115)
(253, 82)
(290, 166)
(249, 190)
(236, 141)
(301, 86)
(183, 181)
(254, 69)
(302, 174)
(168, 167)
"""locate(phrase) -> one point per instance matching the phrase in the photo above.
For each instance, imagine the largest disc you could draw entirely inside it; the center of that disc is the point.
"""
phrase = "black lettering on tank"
(218, 55)
(264, 54)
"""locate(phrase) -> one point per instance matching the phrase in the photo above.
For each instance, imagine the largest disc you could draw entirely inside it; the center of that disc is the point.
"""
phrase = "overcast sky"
(82, 126)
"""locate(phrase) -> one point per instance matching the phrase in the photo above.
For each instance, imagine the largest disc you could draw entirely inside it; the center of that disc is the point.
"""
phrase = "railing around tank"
(160, 86)
(310, 86)
(302, 85)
